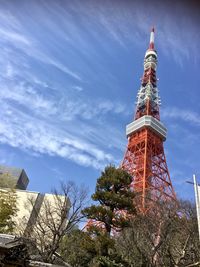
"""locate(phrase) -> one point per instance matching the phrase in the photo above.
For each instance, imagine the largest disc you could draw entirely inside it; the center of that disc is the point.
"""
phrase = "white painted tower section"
(152, 36)
(149, 91)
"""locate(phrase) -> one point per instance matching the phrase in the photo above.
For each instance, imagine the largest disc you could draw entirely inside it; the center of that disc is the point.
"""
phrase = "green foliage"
(77, 248)
(8, 207)
(8, 210)
(167, 235)
(80, 249)
(7, 180)
(108, 262)
(113, 211)
(106, 253)
(115, 199)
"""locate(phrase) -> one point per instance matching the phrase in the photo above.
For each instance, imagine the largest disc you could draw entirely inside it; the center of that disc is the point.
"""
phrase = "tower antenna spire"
(151, 43)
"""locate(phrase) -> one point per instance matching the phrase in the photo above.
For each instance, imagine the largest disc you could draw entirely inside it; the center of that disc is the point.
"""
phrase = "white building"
(37, 213)
(41, 211)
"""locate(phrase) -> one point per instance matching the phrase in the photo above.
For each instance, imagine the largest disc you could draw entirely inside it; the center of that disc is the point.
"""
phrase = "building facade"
(35, 211)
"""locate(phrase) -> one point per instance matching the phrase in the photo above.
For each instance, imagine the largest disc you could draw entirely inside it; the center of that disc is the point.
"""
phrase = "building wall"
(19, 176)
(39, 216)
(38, 209)
(51, 219)
(26, 200)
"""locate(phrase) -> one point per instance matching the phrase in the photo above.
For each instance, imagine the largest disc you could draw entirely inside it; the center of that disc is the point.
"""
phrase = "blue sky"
(69, 75)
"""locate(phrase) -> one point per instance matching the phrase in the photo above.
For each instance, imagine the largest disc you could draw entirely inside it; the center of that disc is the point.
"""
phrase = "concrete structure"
(33, 207)
(39, 218)
(19, 176)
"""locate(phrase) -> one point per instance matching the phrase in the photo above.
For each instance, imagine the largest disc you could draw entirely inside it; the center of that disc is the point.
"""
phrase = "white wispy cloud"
(65, 108)
(28, 97)
(78, 88)
(56, 64)
(129, 21)
(67, 122)
(9, 70)
(15, 35)
(90, 109)
(185, 115)
(22, 130)
(33, 122)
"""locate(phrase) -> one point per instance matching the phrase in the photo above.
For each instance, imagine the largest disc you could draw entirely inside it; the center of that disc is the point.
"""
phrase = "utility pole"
(197, 200)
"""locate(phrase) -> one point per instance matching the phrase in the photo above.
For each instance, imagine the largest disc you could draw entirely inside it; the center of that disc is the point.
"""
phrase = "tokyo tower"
(144, 158)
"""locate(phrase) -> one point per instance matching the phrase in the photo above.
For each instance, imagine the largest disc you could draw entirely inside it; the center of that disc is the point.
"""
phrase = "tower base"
(145, 161)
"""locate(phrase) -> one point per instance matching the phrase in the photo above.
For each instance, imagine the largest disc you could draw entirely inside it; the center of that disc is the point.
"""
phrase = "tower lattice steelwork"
(144, 158)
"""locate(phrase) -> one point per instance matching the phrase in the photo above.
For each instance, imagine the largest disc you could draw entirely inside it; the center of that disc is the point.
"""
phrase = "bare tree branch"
(58, 215)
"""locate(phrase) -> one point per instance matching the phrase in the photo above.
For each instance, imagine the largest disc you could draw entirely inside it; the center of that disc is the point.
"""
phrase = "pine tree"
(77, 248)
(115, 200)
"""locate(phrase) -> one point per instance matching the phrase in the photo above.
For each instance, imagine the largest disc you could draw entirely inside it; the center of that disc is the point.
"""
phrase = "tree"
(8, 210)
(106, 253)
(8, 205)
(183, 246)
(57, 218)
(7, 180)
(78, 248)
(112, 214)
(115, 200)
(168, 237)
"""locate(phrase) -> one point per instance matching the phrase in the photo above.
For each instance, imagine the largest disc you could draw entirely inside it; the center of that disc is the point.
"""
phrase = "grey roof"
(4, 239)
(26, 252)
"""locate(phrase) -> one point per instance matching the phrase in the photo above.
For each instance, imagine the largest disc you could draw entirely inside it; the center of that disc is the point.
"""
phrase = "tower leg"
(145, 161)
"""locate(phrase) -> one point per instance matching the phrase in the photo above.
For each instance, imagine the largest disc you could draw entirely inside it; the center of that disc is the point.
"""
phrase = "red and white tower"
(144, 158)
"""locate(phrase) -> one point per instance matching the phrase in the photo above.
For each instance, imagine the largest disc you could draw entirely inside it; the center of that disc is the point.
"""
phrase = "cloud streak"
(53, 100)
(32, 120)
(31, 134)
(185, 115)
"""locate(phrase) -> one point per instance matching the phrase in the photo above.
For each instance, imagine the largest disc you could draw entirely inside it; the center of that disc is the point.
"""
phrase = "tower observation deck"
(144, 158)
